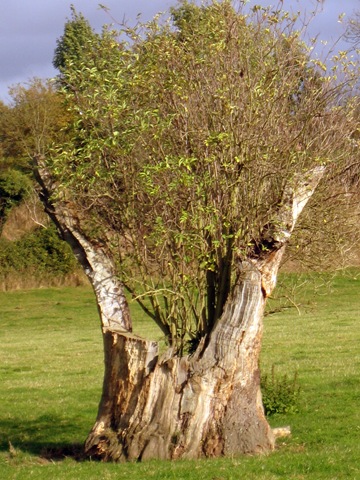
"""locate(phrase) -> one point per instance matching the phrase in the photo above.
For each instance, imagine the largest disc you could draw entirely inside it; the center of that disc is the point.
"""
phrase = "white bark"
(109, 291)
(295, 198)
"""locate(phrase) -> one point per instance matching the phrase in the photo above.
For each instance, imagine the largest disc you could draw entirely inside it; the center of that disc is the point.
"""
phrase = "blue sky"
(29, 28)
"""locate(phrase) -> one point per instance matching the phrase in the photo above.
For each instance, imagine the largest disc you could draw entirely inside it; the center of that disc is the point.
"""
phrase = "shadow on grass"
(46, 437)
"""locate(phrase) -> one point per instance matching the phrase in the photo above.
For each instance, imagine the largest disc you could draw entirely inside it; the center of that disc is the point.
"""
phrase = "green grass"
(51, 374)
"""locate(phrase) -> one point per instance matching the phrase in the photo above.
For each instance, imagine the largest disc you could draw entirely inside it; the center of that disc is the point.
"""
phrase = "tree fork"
(207, 404)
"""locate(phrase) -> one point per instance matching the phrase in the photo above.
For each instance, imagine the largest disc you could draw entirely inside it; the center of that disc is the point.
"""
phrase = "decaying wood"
(278, 232)
(205, 405)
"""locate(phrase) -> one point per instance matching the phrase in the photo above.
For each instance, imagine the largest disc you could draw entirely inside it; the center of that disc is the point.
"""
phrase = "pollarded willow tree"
(194, 148)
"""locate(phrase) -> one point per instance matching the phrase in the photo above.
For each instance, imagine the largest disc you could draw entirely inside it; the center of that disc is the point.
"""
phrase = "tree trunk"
(168, 407)
(98, 267)
(208, 404)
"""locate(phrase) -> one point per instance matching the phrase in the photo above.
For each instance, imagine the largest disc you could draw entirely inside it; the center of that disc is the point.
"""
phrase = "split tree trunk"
(168, 407)
(208, 404)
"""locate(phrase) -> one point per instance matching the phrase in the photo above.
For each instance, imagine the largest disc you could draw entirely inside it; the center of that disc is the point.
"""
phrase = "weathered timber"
(208, 404)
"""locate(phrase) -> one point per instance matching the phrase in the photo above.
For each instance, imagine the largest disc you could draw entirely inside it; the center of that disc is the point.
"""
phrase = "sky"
(29, 28)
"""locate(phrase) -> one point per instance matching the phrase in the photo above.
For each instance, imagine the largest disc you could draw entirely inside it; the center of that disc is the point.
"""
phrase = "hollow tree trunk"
(168, 407)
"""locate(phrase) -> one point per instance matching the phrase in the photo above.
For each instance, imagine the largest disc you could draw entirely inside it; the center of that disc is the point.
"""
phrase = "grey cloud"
(29, 28)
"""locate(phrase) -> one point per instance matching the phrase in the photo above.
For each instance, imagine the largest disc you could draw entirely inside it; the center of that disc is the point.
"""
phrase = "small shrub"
(14, 187)
(280, 394)
(47, 251)
(39, 254)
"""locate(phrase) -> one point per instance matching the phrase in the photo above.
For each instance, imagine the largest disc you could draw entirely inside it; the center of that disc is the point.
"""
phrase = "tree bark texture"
(208, 404)
(203, 405)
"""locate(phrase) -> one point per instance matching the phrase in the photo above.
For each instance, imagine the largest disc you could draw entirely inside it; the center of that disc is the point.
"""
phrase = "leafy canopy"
(187, 135)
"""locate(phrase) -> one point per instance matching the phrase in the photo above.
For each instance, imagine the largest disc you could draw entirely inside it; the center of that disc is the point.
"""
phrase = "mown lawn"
(51, 375)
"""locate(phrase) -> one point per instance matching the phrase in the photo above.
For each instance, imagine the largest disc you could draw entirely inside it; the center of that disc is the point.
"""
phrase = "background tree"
(28, 126)
(14, 188)
(35, 118)
(194, 148)
(78, 36)
(30, 249)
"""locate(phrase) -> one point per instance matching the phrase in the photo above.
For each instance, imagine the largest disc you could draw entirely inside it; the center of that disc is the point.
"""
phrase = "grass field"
(51, 374)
